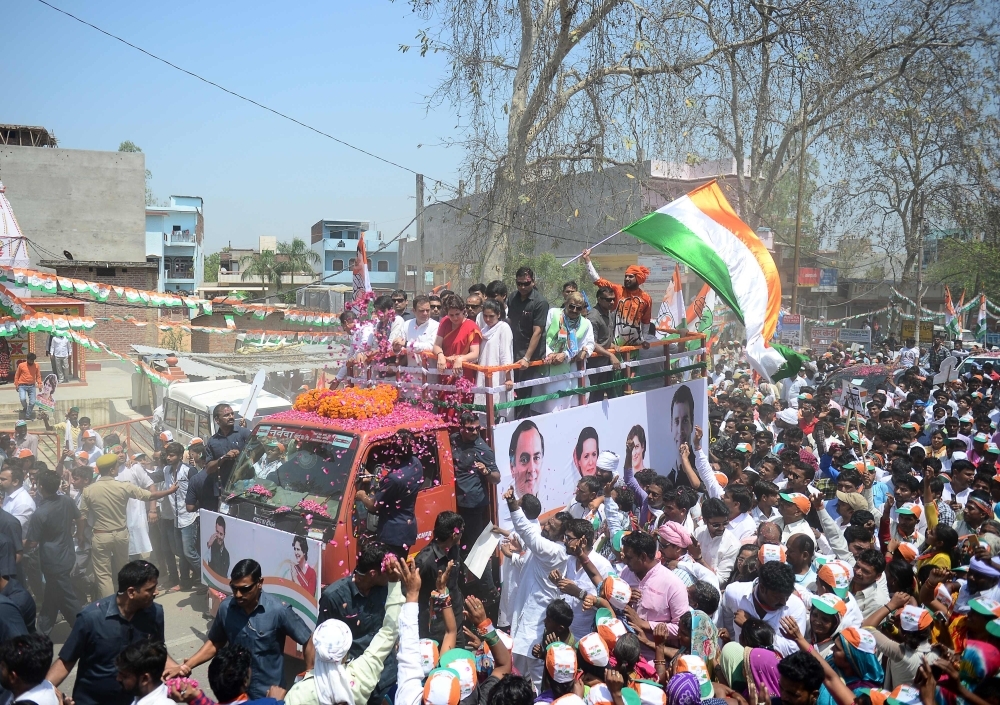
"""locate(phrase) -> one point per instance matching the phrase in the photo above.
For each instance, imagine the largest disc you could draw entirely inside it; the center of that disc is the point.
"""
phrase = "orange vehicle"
(325, 461)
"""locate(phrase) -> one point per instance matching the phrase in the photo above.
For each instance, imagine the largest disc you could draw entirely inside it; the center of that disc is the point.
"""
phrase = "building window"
(382, 265)
(352, 234)
(105, 271)
(338, 265)
(351, 263)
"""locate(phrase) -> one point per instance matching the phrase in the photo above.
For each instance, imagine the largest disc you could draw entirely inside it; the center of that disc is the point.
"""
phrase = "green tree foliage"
(550, 274)
(264, 265)
(212, 267)
(297, 258)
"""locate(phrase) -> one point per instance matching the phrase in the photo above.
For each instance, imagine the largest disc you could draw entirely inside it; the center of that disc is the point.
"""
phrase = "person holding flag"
(950, 317)
(633, 306)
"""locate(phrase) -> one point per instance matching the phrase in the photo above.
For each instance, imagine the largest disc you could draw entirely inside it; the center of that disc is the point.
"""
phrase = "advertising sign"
(827, 282)
(926, 330)
(862, 336)
(808, 276)
(822, 336)
(791, 329)
(548, 454)
(290, 564)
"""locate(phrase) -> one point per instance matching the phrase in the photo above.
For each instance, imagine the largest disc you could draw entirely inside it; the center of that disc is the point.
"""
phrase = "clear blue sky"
(334, 65)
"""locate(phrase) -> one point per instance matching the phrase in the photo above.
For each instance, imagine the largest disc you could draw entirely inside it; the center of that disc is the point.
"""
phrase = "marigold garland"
(350, 403)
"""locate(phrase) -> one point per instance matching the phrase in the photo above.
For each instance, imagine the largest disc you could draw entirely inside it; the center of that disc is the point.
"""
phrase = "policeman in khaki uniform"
(106, 501)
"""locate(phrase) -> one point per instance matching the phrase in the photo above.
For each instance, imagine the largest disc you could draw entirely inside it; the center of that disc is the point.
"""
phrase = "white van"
(188, 406)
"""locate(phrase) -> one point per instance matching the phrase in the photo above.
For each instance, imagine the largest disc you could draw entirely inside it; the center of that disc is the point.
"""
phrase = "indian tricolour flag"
(981, 323)
(950, 318)
(703, 231)
(362, 281)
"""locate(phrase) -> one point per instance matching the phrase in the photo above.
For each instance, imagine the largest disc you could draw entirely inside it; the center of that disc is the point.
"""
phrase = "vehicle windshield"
(295, 464)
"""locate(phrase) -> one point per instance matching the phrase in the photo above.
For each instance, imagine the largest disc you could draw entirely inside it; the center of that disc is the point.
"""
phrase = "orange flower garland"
(350, 403)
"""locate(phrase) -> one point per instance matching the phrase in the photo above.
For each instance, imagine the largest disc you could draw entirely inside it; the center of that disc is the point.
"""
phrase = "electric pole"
(798, 201)
(920, 271)
(419, 284)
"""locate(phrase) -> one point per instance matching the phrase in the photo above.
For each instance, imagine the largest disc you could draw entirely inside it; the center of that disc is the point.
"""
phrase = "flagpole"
(590, 248)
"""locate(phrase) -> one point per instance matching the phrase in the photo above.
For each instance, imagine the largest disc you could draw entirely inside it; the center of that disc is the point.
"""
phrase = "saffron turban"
(641, 273)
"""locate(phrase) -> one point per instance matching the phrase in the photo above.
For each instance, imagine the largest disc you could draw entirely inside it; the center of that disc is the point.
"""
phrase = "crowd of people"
(493, 327)
(808, 553)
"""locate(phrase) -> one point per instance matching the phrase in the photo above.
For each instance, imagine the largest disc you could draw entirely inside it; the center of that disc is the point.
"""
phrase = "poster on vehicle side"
(290, 564)
(547, 455)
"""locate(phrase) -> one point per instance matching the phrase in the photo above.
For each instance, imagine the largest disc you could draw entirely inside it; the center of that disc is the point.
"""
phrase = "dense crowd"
(800, 552)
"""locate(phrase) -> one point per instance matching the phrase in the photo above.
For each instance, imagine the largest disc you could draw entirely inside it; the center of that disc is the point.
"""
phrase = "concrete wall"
(90, 203)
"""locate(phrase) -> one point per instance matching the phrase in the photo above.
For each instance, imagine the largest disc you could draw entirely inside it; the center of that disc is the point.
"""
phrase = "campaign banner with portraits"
(290, 564)
(547, 455)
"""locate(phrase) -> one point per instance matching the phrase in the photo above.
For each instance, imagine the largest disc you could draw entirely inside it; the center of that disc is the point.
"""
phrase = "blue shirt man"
(258, 622)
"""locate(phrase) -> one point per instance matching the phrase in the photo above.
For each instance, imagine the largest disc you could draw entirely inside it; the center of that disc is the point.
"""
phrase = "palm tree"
(261, 264)
(298, 258)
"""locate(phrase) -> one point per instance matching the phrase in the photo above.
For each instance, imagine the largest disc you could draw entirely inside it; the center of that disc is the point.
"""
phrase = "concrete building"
(336, 242)
(88, 203)
(232, 270)
(561, 217)
(175, 234)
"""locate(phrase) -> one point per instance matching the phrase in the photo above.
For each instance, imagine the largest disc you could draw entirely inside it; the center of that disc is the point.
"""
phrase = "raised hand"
(442, 577)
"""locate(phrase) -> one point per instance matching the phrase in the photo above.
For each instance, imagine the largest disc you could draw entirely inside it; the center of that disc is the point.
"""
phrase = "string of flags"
(98, 346)
(52, 284)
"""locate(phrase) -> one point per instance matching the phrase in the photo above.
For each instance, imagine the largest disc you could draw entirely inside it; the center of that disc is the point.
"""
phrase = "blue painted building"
(336, 243)
(176, 233)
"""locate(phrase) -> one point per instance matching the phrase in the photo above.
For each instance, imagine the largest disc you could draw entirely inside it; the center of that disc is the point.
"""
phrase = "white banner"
(290, 564)
(548, 454)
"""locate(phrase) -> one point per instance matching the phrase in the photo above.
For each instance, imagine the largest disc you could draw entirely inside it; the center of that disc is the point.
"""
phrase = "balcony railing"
(185, 237)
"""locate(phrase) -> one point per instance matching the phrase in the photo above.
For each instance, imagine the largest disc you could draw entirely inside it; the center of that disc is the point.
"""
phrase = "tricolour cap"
(915, 619)
(908, 552)
(985, 606)
(609, 627)
(836, 576)
(649, 692)
(830, 604)
(911, 508)
(770, 552)
(166, 437)
(560, 662)
(594, 650)
(798, 499)
(616, 591)
(695, 665)
(429, 655)
(462, 662)
(860, 639)
(442, 687)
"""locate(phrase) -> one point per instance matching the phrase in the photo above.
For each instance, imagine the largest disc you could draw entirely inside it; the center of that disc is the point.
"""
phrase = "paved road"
(185, 629)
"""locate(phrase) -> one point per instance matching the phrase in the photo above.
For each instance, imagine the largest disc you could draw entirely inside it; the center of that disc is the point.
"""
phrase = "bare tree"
(544, 88)
(824, 65)
(926, 155)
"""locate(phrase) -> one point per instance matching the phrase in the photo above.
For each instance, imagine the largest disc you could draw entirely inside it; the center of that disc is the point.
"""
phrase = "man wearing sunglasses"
(435, 306)
(255, 620)
(527, 312)
(399, 303)
(602, 318)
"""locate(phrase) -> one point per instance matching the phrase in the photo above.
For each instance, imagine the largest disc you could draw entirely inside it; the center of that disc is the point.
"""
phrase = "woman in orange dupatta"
(457, 341)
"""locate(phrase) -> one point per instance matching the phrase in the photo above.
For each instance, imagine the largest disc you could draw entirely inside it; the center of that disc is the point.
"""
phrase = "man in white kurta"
(534, 590)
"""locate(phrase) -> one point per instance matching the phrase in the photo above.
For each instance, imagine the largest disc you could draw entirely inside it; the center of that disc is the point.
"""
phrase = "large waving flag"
(950, 318)
(672, 314)
(703, 231)
(362, 282)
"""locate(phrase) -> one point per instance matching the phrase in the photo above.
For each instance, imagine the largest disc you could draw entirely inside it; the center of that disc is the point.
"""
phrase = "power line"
(316, 130)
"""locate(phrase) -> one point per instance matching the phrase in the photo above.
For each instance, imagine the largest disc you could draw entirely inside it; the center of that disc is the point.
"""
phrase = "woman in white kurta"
(569, 337)
(495, 350)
